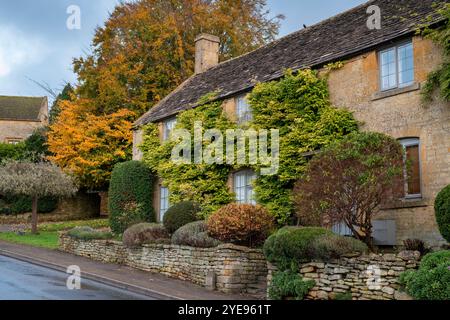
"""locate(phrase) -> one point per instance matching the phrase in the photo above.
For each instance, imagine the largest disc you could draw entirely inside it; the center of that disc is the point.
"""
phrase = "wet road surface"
(24, 281)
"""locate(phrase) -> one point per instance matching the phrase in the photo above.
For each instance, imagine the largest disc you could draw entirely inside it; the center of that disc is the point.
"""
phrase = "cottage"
(21, 116)
(380, 82)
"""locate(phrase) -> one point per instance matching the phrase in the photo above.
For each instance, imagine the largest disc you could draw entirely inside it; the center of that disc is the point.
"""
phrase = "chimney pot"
(206, 52)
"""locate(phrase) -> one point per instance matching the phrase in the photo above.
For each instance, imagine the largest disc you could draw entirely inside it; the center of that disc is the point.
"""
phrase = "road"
(24, 281)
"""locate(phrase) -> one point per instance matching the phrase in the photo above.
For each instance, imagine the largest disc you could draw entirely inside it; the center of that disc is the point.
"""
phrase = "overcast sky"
(36, 44)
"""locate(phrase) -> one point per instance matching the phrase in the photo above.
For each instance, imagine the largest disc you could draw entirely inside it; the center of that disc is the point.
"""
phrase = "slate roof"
(336, 38)
(21, 108)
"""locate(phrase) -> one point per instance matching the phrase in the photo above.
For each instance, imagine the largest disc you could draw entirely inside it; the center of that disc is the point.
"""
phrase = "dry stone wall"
(367, 277)
(227, 268)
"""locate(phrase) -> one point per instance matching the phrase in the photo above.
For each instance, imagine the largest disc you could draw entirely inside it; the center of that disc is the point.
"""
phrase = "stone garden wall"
(227, 268)
(367, 277)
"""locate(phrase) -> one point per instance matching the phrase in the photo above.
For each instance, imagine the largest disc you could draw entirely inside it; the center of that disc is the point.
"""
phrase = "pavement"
(152, 285)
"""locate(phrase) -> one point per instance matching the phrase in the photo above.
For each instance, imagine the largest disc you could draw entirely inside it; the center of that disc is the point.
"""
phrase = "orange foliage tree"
(88, 145)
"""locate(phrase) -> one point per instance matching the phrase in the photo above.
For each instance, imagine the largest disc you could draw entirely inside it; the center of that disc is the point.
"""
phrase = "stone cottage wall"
(235, 269)
(367, 277)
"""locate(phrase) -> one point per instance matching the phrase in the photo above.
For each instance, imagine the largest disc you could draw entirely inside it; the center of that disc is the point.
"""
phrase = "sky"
(36, 44)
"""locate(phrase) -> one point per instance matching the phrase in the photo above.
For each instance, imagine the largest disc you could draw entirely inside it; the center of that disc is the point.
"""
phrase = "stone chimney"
(206, 52)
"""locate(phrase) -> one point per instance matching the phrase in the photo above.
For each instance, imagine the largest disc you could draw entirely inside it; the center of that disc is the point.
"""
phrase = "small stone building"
(380, 83)
(21, 116)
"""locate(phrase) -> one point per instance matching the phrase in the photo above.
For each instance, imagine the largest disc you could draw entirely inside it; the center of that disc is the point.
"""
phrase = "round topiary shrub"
(292, 245)
(181, 214)
(442, 210)
(241, 224)
(432, 280)
(194, 234)
(130, 196)
(145, 233)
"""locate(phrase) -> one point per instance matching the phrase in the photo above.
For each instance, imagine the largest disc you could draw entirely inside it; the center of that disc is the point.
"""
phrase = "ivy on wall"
(440, 78)
(298, 106)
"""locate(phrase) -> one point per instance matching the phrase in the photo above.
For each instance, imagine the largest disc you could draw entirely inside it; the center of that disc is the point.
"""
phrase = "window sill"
(394, 92)
(406, 203)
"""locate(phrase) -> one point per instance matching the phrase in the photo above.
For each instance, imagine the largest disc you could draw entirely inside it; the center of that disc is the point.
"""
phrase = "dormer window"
(168, 126)
(397, 67)
(243, 111)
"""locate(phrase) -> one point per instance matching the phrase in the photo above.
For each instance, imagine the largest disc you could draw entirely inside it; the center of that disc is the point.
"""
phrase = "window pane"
(243, 111)
(412, 156)
(169, 125)
(164, 202)
(243, 187)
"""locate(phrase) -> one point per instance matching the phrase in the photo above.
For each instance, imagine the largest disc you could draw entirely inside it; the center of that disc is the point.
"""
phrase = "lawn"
(48, 233)
(46, 239)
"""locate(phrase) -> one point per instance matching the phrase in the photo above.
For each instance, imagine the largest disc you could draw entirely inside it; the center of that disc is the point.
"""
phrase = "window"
(13, 140)
(243, 186)
(243, 112)
(397, 67)
(412, 167)
(168, 127)
(164, 202)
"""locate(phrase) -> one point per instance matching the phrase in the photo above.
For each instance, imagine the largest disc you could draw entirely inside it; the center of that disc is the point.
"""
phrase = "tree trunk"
(34, 216)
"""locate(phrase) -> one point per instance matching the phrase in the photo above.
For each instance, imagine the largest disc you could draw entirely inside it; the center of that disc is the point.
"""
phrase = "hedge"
(442, 210)
(130, 196)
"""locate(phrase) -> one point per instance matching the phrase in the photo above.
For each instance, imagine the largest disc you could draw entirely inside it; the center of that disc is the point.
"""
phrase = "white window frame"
(168, 126)
(244, 192)
(411, 142)
(243, 111)
(397, 66)
(164, 202)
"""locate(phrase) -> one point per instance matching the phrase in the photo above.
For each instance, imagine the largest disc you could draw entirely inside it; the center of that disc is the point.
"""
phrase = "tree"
(89, 146)
(348, 181)
(146, 48)
(35, 180)
(65, 95)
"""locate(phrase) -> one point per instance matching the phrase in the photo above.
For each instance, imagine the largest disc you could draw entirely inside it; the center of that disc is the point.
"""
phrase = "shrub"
(181, 214)
(288, 284)
(194, 234)
(130, 196)
(416, 245)
(291, 245)
(442, 210)
(333, 247)
(21, 204)
(144, 233)
(241, 224)
(432, 280)
(87, 233)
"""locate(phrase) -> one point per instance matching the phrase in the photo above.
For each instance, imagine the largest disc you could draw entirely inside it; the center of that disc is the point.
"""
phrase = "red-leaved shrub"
(241, 224)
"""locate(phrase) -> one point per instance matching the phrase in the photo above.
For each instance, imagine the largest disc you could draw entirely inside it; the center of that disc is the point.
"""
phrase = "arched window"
(412, 168)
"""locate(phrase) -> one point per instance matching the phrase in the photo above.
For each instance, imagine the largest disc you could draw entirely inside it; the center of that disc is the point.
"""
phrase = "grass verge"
(44, 239)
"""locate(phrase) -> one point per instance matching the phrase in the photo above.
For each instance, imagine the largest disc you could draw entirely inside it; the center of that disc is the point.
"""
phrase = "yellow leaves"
(89, 145)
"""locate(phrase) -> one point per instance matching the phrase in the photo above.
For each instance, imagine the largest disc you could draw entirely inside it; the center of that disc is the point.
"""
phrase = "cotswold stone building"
(380, 82)
(21, 116)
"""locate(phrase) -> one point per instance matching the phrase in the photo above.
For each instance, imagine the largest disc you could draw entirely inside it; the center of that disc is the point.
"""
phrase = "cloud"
(19, 50)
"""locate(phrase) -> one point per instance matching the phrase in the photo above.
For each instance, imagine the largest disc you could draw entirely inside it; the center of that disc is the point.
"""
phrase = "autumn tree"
(347, 183)
(146, 48)
(89, 146)
(35, 180)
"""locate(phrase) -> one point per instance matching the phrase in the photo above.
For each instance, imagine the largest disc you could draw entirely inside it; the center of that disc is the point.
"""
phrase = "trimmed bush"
(181, 214)
(241, 224)
(288, 284)
(87, 233)
(130, 196)
(194, 234)
(442, 211)
(432, 280)
(328, 247)
(144, 233)
(291, 245)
